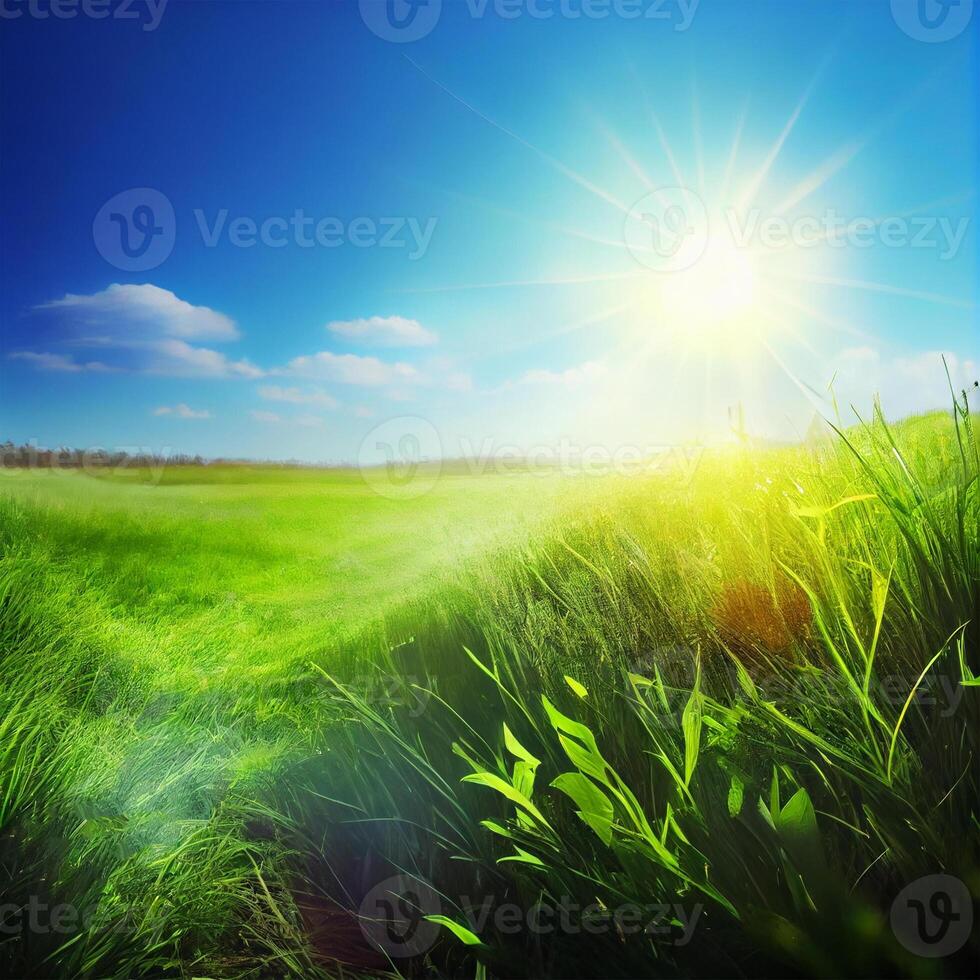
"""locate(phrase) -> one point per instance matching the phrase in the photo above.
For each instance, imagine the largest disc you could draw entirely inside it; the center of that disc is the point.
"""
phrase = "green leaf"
(516, 749)
(460, 932)
(492, 781)
(594, 807)
(736, 796)
(691, 723)
(523, 857)
(579, 689)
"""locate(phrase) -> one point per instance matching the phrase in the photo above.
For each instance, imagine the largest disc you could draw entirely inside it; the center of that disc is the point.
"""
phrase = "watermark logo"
(932, 21)
(148, 12)
(933, 916)
(401, 21)
(393, 916)
(667, 229)
(135, 231)
(402, 458)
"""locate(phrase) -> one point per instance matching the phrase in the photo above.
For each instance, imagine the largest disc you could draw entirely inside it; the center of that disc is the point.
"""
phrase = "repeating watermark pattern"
(147, 13)
(405, 457)
(143, 461)
(932, 21)
(669, 230)
(304, 231)
(136, 230)
(938, 693)
(395, 917)
(756, 228)
(411, 452)
(393, 691)
(933, 916)
(404, 21)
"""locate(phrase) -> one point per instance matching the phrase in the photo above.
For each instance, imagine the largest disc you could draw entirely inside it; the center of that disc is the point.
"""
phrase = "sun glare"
(714, 302)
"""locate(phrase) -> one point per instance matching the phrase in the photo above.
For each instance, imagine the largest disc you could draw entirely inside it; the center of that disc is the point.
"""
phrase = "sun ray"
(698, 142)
(512, 283)
(881, 287)
(554, 162)
(726, 181)
(817, 315)
(748, 195)
(625, 155)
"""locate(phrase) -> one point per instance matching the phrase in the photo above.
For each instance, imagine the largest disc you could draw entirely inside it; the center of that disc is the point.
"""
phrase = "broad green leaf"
(579, 689)
(505, 789)
(460, 932)
(594, 807)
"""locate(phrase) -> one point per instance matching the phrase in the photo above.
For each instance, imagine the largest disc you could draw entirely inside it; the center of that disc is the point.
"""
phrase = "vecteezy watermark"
(834, 230)
(670, 230)
(395, 917)
(136, 230)
(932, 21)
(148, 13)
(403, 692)
(140, 462)
(667, 229)
(304, 231)
(403, 21)
(401, 458)
(933, 916)
(405, 457)
(666, 676)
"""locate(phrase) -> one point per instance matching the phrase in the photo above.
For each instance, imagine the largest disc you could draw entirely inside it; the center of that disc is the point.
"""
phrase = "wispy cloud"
(906, 383)
(145, 310)
(297, 396)
(352, 369)
(384, 331)
(177, 357)
(572, 377)
(273, 418)
(182, 411)
(260, 416)
(57, 362)
(142, 329)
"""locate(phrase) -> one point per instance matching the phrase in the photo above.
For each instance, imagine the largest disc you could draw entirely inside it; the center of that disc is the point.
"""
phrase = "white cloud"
(572, 377)
(272, 418)
(182, 411)
(57, 362)
(177, 357)
(353, 370)
(906, 383)
(296, 396)
(146, 310)
(265, 416)
(384, 331)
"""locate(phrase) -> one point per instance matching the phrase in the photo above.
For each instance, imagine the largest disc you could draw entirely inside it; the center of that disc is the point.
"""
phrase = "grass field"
(262, 721)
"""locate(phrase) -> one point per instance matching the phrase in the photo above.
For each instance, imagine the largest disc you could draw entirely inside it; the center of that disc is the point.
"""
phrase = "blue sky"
(494, 150)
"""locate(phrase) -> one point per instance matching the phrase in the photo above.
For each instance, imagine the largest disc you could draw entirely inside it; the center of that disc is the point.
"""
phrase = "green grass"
(238, 701)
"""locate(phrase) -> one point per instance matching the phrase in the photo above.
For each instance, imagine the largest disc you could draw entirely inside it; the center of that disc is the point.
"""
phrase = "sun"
(715, 302)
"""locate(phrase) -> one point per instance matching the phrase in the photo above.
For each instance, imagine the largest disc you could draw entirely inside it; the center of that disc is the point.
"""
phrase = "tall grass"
(745, 706)
(643, 714)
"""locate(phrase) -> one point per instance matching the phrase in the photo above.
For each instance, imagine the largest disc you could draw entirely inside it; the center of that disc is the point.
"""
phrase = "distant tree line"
(32, 456)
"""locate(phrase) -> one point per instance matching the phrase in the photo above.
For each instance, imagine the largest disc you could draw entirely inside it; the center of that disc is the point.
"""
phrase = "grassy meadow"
(262, 721)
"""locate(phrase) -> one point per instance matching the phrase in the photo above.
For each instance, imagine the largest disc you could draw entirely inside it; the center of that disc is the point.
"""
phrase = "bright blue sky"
(521, 138)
